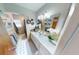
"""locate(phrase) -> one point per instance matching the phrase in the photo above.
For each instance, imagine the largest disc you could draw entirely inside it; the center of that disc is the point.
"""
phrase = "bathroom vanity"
(42, 43)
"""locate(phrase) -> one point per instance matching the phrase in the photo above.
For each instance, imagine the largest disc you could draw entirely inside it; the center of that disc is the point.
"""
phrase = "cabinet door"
(36, 42)
(43, 50)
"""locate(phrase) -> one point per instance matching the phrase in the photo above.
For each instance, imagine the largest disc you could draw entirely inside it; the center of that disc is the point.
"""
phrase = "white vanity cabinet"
(42, 44)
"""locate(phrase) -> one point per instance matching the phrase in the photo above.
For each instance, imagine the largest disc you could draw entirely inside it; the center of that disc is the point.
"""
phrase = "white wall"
(11, 7)
(61, 8)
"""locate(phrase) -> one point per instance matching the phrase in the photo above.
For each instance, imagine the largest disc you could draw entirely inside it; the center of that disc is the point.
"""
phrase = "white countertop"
(45, 42)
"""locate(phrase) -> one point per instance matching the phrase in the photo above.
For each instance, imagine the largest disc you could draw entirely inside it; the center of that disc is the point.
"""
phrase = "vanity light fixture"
(41, 17)
(47, 15)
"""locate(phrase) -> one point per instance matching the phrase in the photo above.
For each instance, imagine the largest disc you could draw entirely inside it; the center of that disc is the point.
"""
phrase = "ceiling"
(32, 6)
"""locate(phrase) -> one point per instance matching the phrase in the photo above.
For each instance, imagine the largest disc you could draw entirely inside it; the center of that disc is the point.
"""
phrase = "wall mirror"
(52, 26)
(52, 22)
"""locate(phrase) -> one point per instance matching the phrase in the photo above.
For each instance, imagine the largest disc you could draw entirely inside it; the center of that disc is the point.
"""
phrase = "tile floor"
(22, 47)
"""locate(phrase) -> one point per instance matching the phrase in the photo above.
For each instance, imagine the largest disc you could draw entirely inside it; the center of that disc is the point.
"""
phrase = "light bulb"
(47, 15)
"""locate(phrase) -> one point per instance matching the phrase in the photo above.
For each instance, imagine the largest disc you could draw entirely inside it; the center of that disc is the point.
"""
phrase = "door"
(69, 37)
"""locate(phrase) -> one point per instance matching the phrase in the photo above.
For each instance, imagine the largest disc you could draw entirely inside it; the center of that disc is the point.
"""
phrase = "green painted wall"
(11, 7)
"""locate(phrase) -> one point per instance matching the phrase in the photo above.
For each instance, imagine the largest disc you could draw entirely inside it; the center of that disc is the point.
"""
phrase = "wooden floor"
(9, 49)
(6, 47)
